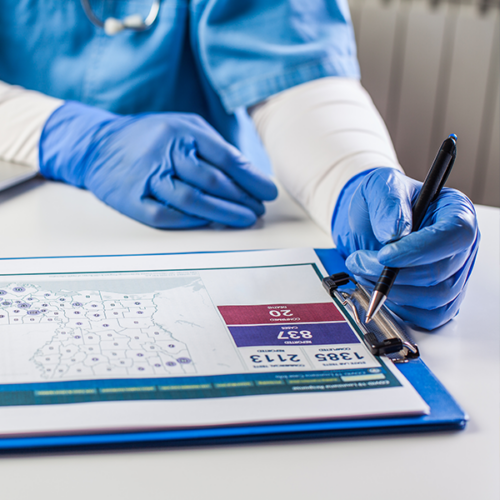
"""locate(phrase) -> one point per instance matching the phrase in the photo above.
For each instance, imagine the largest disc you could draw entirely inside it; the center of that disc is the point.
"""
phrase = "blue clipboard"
(445, 415)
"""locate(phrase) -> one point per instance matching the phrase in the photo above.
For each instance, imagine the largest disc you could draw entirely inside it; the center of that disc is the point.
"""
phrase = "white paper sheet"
(173, 341)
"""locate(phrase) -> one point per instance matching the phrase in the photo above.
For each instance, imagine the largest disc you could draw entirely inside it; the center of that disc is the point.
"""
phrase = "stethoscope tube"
(112, 26)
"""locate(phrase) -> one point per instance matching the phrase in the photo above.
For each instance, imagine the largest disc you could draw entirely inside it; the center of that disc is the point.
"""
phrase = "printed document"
(100, 344)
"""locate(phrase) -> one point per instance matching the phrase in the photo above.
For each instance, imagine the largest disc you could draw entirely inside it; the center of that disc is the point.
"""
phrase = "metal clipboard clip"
(384, 336)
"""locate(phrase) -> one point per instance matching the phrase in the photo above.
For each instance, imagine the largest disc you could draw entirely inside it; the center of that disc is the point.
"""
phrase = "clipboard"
(445, 414)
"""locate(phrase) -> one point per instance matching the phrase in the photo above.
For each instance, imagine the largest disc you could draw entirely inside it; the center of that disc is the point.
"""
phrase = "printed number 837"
(303, 334)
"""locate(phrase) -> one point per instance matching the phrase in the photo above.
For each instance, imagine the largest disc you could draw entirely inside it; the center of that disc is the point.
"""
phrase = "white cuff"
(23, 114)
(318, 136)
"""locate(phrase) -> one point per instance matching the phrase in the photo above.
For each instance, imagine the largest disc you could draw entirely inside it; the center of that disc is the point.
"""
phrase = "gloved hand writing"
(372, 226)
(168, 170)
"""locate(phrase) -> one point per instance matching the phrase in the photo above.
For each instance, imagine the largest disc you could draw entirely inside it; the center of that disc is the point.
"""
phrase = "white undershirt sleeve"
(23, 114)
(319, 135)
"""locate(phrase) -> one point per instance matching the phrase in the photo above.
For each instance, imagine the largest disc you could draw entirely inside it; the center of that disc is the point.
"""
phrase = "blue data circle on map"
(183, 361)
(3, 292)
(33, 312)
(19, 289)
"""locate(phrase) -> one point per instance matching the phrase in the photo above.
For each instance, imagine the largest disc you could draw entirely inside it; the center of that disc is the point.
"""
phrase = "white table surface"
(43, 218)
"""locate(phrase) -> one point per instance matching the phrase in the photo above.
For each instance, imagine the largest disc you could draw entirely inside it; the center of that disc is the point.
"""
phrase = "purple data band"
(296, 335)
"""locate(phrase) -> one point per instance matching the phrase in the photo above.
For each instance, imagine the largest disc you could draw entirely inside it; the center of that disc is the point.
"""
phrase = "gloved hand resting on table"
(168, 170)
(371, 227)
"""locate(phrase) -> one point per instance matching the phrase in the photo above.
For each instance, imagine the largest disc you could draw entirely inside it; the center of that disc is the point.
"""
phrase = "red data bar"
(280, 314)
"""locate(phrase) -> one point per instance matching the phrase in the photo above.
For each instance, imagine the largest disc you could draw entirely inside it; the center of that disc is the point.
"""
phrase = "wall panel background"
(432, 68)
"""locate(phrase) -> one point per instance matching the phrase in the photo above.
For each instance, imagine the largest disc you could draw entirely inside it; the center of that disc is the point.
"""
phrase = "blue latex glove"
(372, 225)
(168, 170)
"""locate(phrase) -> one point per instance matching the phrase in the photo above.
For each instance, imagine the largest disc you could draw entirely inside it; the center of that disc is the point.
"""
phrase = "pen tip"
(368, 319)
(453, 136)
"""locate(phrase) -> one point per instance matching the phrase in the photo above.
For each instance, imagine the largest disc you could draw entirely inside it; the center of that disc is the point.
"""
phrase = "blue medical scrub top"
(211, 57)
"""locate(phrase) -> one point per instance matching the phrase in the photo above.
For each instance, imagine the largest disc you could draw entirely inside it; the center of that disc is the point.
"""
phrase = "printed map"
(96, 333)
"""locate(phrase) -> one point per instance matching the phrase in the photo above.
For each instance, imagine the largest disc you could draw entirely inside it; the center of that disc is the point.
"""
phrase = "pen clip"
(445, 176)
(447, 172)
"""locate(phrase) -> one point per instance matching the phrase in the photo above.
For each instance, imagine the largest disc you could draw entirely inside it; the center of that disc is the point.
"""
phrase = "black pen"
(439, 172)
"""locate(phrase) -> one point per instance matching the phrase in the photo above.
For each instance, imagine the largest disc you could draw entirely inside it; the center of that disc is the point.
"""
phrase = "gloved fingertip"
(364, 263)
(271, 192)
(234, 215)
(351, 264)
(254, 181)
(271, 195)
(189, 224)
(387, 254)
(246, 220)
(260, 210)
(263, 188)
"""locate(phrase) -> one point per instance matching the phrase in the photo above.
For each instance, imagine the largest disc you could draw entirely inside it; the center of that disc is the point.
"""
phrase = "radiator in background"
(433, 69)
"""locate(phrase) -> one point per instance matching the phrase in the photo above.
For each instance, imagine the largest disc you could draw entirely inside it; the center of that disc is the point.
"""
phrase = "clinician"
(149, 112)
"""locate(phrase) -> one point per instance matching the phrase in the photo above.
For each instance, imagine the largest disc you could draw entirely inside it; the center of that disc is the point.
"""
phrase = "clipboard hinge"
(385, 336)
(332, 282)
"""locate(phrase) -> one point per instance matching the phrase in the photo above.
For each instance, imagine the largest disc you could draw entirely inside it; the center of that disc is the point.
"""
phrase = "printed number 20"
(282, 312)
